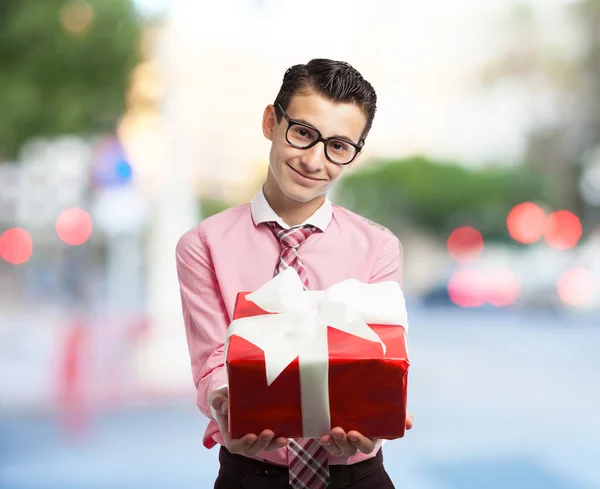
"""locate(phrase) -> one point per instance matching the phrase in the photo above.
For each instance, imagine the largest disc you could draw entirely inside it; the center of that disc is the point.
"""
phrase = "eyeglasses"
(302, 136)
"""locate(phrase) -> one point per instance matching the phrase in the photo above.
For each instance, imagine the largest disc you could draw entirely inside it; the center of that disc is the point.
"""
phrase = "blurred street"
(123, 124)
(501, 400)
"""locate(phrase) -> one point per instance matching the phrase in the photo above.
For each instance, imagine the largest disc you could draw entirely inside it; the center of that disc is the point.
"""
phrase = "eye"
(302, 134)
(339, 146)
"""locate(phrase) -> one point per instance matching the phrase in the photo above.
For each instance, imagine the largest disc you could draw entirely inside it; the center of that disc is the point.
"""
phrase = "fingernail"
(249, 442)
(353, 438)
(337, 436)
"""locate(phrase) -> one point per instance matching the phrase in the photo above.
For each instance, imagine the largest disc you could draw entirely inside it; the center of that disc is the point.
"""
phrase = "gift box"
(302, 362)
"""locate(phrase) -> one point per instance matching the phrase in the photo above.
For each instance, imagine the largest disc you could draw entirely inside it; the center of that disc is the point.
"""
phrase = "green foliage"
(210, 206)
(439, 196)
(53, 81)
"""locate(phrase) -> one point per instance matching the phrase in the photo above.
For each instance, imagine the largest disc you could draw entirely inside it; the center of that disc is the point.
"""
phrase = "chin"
(301, 194)
(299, 197)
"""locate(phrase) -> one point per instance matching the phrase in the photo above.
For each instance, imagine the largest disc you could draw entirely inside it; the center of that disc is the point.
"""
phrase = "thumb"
(224, 407)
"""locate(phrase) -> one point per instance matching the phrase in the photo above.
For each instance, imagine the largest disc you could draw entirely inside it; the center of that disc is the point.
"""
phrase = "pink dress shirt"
(234, 251)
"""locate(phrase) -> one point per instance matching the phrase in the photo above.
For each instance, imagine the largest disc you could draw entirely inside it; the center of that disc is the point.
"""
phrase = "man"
(317, 126)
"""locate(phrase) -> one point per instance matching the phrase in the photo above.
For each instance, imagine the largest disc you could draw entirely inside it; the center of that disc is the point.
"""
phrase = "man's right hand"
(250, 444)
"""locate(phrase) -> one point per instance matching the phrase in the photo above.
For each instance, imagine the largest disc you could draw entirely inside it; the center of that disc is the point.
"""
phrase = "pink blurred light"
(576, 286)
(74, 226)
(465, 244)
(503, 288)
(563, 230)
(526, 222)
(465, 288)
(16, 246)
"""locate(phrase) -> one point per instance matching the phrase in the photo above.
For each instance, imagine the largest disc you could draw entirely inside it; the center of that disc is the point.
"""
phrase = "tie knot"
(293, 237)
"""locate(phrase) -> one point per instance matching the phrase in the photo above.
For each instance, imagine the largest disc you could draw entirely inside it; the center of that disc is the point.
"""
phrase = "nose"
(313, 159)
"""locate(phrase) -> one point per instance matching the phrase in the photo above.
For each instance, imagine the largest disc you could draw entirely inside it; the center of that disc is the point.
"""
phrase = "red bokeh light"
(563, 230)
(576, 286)
(465, 288)
(16, 246)
(526, 223)
(465, 244)
(74, 226)
(503, 288)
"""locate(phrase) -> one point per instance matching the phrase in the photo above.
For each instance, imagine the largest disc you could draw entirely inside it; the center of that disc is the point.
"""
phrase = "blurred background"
(124, 123)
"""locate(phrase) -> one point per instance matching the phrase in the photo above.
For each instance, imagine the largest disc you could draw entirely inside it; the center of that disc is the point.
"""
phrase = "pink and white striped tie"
(307, 459)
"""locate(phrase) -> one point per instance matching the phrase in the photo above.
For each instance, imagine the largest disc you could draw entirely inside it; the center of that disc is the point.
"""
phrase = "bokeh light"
(74, 226)
(576, 287)
(503, 288)
(123, 170)
(16, 246)
(465, 244)
(526, 222)
(563, 230)
(465, 288)
(77, 16)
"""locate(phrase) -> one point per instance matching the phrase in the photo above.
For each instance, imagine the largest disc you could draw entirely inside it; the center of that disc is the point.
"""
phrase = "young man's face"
(305, 174)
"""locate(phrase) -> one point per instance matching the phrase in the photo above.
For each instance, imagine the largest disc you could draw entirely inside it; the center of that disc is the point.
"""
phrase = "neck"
(291, 211)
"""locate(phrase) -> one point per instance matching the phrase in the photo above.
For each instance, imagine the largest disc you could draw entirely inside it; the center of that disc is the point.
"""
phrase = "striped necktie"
(307, 459)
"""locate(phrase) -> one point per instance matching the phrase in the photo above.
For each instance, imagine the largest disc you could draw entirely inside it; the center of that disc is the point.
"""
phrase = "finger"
(224, 406)
(341, 440)
(261, 443)
(327, 442)
(223, 423)
(409, 421)
(217, 404)
(276, 444)
(217, 399)
(324, 440)
(362, 443)
(241, 444)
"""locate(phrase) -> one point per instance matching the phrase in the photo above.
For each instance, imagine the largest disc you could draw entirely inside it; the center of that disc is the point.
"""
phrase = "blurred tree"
(64, 67)
(439, 196)
(210, 206)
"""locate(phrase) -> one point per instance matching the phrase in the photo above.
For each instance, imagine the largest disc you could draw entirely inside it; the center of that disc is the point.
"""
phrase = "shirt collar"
(262, 212)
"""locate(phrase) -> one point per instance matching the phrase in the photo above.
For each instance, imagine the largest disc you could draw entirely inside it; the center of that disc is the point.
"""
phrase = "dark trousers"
(237, 472)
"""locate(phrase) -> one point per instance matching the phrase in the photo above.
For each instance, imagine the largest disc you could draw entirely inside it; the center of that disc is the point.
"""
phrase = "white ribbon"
(299, 329)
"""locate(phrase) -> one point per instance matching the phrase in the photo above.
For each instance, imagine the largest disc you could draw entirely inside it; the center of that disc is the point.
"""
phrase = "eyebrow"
(337, 136)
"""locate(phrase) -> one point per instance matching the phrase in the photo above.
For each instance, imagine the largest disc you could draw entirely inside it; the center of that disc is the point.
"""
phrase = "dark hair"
(337, 81)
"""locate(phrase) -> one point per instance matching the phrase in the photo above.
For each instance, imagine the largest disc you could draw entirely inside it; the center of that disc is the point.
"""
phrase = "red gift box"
(367, 387)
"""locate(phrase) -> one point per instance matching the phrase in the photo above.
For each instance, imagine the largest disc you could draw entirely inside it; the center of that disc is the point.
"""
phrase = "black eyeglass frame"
(292, 122)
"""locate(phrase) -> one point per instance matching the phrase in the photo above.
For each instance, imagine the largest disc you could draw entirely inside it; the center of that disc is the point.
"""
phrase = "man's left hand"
(342, 444)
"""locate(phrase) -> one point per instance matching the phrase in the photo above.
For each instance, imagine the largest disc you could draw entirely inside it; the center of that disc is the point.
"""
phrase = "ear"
(269, 121)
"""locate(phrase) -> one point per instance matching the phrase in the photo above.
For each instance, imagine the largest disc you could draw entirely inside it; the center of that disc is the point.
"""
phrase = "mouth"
(305, 176)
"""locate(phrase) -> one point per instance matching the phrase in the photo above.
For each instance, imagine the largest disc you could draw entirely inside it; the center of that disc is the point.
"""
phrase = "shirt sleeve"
(204, 315)
(388, 264)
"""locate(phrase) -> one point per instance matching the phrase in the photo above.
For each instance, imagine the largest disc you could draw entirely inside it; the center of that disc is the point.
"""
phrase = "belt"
(245, 468)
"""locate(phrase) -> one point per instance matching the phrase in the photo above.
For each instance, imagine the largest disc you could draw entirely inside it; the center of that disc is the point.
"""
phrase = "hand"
(340, 443)
(250, 444)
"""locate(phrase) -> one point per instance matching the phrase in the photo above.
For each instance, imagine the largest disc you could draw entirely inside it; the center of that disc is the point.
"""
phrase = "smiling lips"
(304, 176)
